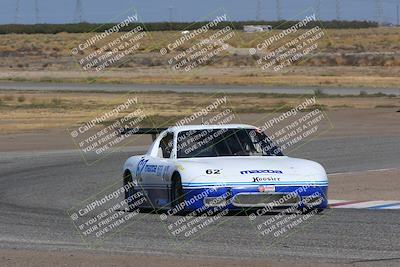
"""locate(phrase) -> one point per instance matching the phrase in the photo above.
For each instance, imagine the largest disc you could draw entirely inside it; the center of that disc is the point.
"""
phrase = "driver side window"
(166, 144)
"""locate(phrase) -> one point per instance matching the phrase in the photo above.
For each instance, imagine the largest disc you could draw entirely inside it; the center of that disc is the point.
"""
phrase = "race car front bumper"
(264, 196)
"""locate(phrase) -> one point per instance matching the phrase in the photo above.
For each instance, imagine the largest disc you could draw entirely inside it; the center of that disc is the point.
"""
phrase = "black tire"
(130, 192)
(176, 190)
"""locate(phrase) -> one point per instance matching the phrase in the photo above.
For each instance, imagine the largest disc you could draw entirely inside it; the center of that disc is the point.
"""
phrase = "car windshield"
(225, 142)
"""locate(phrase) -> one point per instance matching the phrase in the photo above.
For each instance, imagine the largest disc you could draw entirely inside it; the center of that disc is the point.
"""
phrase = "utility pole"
(37, 13)
(78, 12)
(397, 12)
(278, 10)
(17, 15)
(338, 15)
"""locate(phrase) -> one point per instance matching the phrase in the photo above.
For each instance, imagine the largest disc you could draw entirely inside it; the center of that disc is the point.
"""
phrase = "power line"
(78, 17)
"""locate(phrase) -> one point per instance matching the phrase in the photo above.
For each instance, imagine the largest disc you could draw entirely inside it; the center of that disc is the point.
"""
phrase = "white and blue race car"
(193, 167)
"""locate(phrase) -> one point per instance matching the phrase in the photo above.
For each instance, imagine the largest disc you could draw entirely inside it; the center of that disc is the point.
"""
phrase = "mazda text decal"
(260, 171)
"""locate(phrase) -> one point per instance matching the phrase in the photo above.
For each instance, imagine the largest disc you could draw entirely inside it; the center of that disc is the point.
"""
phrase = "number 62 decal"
(213, 171)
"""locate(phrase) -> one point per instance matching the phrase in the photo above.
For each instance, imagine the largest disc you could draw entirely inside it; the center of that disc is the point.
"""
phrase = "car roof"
(213, 126)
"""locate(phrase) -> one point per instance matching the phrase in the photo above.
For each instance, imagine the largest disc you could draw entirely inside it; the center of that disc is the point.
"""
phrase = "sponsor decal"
(140, 166)
(160, 169)
(266, 179)
(151, 168)
(260, 171)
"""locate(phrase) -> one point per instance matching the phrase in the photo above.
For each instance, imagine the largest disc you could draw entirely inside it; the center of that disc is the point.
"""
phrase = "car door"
(154, 183)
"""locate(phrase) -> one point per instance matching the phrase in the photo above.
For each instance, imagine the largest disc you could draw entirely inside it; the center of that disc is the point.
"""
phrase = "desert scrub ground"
(30, 111)
(353, 47)
(337, 41)
(344, 58)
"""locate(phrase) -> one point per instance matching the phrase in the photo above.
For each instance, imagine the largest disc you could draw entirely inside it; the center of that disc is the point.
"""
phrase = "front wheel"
(177, 192)
(130, 192)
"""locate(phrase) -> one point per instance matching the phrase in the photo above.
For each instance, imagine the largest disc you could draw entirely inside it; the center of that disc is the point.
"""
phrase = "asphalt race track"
(36, 189)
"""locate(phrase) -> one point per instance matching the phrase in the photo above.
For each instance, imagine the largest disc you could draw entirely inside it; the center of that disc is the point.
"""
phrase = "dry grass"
(355, 57)
(53, 51)
(346, 40)
(55, 110)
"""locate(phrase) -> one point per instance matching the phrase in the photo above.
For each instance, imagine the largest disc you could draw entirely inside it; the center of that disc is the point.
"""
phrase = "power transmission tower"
(318, 9)
(338, 11)
(170, 13)
(37, 13)
(258, 10)
(278, 10)
(170, 10)
(78, 11)
(17, 15)
(378, 11)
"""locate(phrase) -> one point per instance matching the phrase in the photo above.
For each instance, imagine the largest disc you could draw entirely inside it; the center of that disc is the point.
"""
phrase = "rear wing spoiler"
(153, 131)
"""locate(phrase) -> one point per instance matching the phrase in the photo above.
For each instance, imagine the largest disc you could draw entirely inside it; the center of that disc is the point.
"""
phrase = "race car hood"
(250, 169)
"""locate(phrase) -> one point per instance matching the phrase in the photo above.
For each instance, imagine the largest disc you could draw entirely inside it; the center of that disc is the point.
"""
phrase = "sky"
(101, 11)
